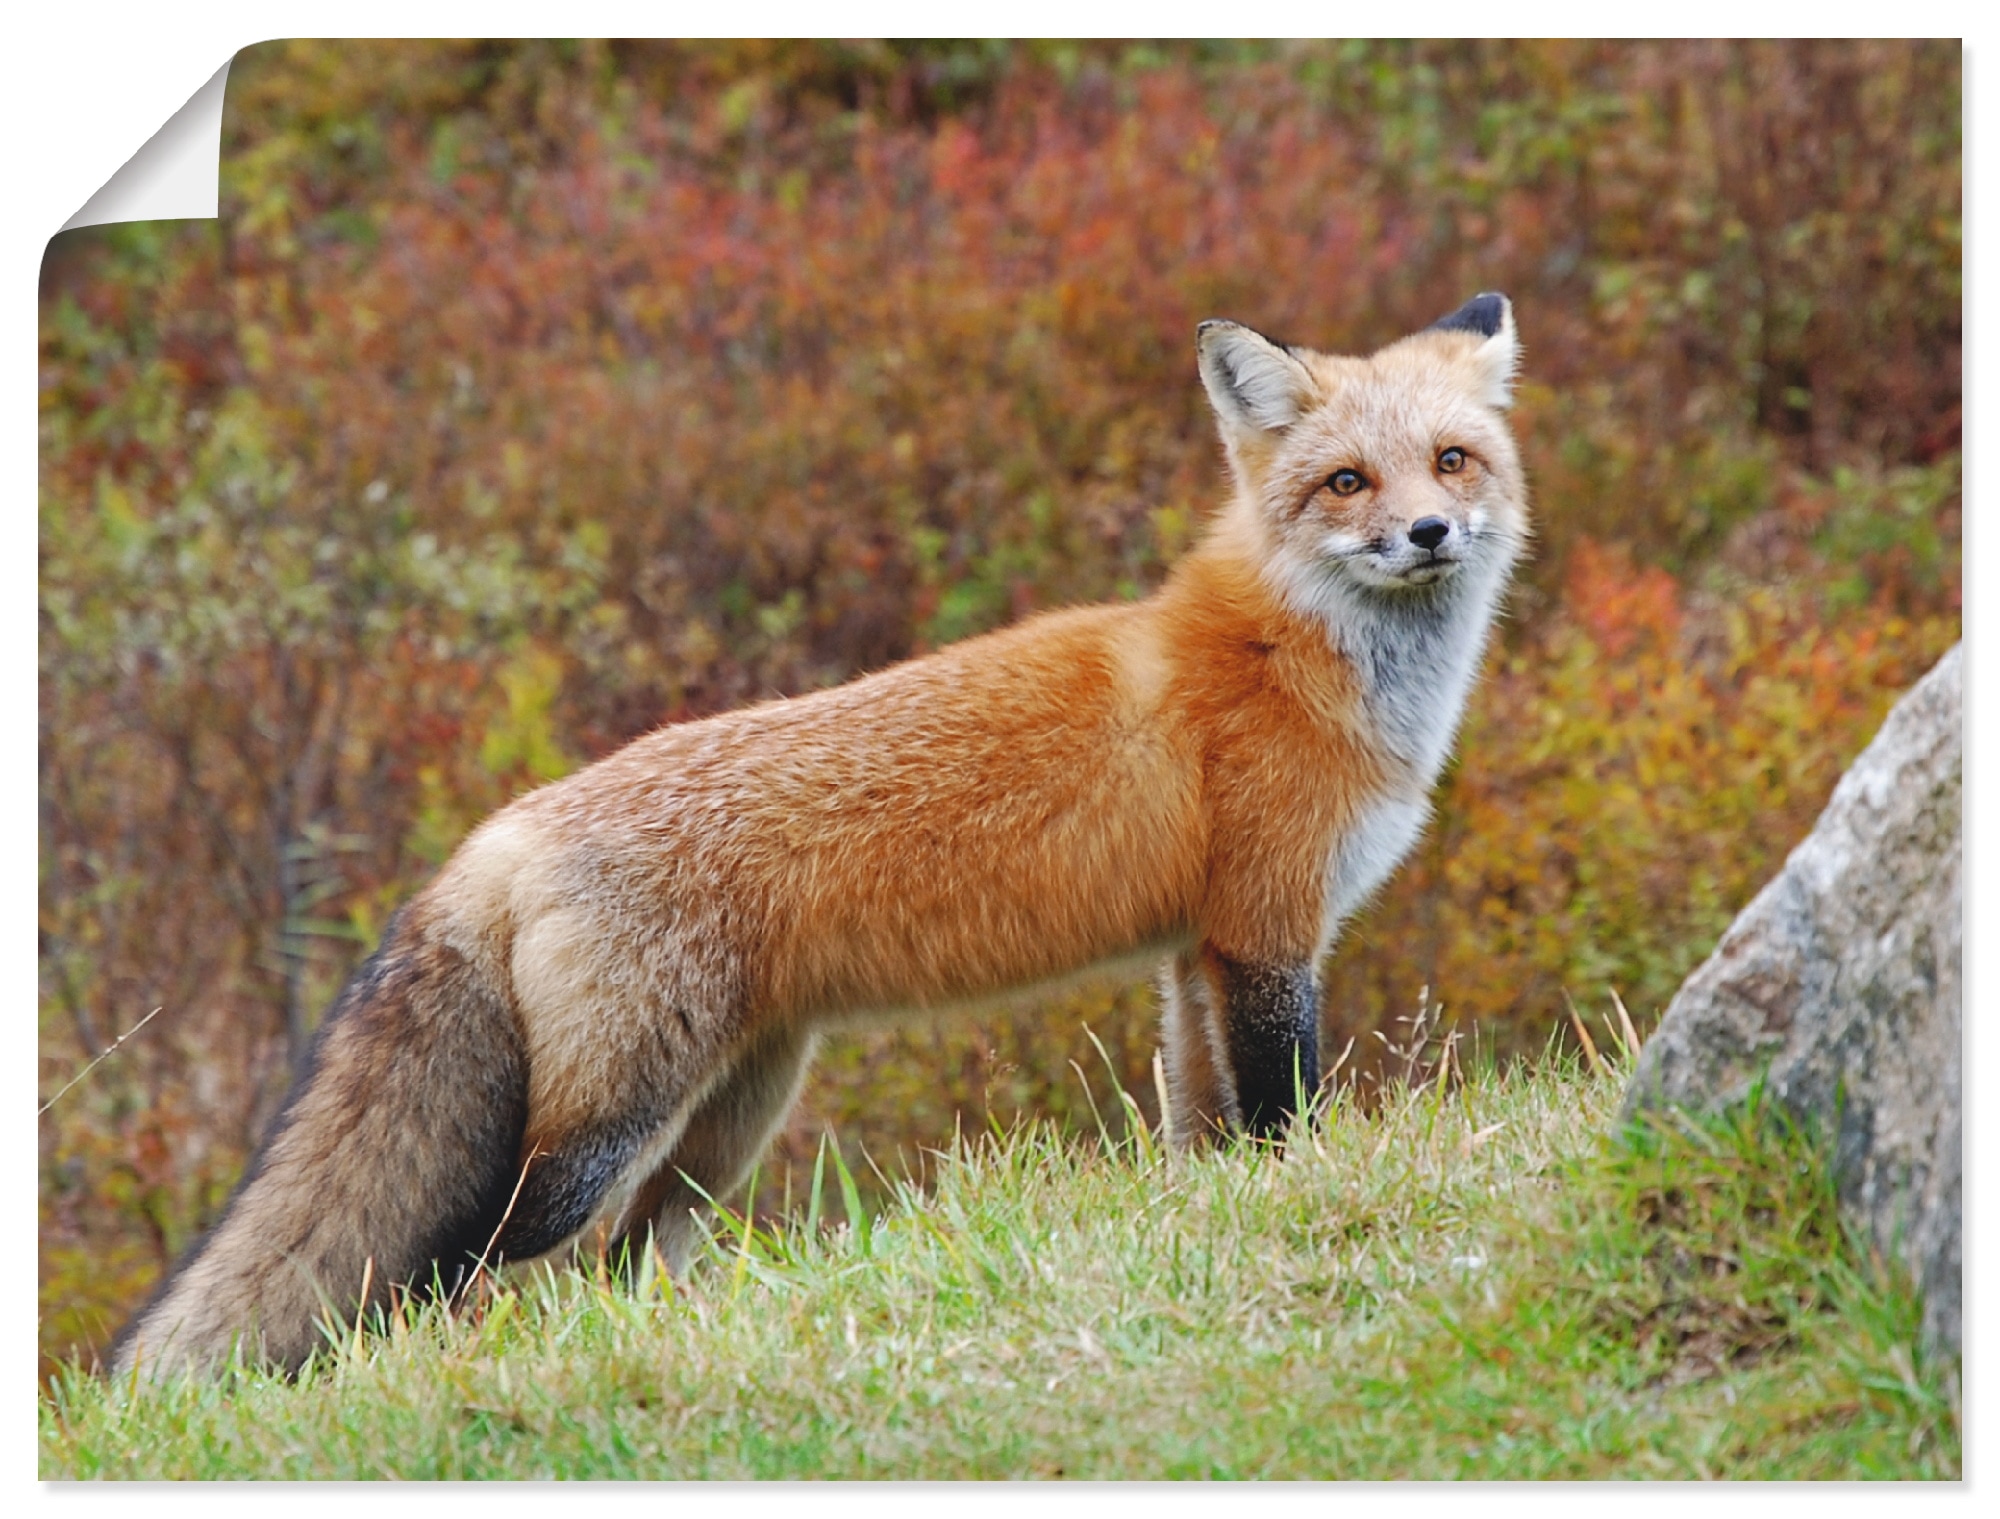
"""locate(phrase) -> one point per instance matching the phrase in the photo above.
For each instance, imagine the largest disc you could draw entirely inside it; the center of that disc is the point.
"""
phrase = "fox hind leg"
(722, 1141)
(623, 1034)
(563, 1183)
(573, 1164)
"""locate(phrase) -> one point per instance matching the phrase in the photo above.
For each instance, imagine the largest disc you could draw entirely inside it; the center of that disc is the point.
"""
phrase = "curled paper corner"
(175, 176)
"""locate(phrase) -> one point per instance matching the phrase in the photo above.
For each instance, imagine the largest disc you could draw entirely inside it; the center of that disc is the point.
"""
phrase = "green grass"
(1470, 1281)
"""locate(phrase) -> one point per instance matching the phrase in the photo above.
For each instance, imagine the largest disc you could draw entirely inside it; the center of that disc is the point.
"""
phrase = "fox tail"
(391, 1163)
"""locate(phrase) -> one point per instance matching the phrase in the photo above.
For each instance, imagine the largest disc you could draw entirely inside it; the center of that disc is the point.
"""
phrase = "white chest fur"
(1417, 656)
(1364, 858)
(1415, 650)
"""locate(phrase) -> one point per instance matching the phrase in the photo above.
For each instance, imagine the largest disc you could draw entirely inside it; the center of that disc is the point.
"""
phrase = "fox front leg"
(1271, 1030)
(1242, 1041)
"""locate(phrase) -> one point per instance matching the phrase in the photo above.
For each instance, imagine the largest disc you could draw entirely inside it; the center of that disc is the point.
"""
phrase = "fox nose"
(1429, 532)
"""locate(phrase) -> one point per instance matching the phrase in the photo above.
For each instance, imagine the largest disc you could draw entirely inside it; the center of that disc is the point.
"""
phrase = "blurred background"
(527, 396)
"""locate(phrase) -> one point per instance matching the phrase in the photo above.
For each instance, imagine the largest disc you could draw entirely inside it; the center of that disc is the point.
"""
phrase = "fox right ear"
(1489, 316)
(1253, 384)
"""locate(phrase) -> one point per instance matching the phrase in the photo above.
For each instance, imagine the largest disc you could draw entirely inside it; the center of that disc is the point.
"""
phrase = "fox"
(602, 1006)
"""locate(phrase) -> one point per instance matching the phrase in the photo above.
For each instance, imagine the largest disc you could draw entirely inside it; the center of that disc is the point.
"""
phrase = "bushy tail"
(398, 1145)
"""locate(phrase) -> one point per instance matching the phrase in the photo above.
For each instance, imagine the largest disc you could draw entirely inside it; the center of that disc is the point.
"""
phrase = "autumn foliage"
(527, 396)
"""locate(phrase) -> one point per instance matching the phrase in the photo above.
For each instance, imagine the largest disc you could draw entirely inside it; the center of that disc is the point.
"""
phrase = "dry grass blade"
(480, 1267)
(361, 1313)
(1582, 1033)
(1625, 1029)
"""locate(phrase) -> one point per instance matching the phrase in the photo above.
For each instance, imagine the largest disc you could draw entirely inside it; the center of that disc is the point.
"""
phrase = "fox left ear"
(1254, 384)
(1490, 316)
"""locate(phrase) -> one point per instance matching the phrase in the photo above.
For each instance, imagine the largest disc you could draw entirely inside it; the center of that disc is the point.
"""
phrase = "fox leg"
(623, 1036)
(1242, 1040)
(562, 1183)
(572, 1158)
(620, 1102)
(1272, 1028)
(1201, 1096)
(722, 1140)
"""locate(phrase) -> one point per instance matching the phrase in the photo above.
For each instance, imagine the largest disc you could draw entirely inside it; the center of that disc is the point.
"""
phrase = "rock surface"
(1840, 983)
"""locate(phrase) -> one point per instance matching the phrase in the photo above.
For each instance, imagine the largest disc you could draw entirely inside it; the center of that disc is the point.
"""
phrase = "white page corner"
(176, 175)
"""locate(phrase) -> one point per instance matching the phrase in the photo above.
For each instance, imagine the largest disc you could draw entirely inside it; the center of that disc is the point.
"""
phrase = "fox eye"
(1452, 460)
(1345, 482)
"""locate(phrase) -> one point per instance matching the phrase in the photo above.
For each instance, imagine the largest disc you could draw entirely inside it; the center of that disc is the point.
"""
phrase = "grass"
(1470, 1280)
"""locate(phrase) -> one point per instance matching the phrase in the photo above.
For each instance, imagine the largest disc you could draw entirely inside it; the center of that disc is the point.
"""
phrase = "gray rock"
(1840, 984)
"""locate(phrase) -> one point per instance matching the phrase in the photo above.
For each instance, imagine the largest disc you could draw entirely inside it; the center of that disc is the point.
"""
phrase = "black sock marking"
(1273, 1024)
(564, 1187)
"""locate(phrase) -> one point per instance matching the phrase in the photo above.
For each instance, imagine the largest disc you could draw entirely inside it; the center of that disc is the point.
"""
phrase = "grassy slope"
(1468, 1283)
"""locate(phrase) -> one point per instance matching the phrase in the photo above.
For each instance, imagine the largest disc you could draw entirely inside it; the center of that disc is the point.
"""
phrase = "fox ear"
(1253, 384)
(1489, 316)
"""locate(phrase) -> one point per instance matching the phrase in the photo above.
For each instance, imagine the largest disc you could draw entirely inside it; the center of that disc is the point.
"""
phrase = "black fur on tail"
(399, 1145)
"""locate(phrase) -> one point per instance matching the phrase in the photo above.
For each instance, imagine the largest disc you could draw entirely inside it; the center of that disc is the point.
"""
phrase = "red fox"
(607, 999)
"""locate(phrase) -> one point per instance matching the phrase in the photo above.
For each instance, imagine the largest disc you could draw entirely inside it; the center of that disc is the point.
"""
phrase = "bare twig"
(99, 1060)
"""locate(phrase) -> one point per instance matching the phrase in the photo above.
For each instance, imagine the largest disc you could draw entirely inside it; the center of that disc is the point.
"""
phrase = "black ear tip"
(1483, 316)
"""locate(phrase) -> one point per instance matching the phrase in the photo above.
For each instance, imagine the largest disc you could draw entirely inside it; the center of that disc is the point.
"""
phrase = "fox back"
(608, 998)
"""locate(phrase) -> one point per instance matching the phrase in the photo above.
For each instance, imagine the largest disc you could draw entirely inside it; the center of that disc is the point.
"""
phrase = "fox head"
(1389, 478)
